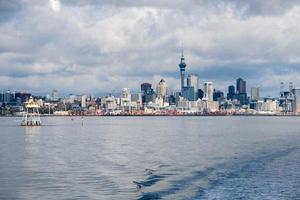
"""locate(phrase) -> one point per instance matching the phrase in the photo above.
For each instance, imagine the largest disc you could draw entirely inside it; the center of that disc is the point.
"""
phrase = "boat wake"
(199, 183)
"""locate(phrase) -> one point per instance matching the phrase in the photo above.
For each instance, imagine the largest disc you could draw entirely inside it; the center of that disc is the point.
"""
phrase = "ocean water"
(151, 158)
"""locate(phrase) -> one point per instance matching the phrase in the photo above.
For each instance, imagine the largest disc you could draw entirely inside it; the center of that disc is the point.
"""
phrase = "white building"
(54, 95)
(83, 101)
(126, 100)
(255, 94)
(208, 91)
(193, 81)
(162, 88)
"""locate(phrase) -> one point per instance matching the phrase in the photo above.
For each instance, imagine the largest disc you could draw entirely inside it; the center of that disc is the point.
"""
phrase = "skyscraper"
(147, 93)
(241, 91)
(255, 94)
(182, 67)
(162, 88)
(54, 95)
(231, 92)
(208, 91)
(193, 81)
(240, 86)
(218, 95)
(296, 104)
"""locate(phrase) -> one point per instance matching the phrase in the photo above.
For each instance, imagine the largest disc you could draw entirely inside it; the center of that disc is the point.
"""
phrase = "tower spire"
(182, 56)
(182, 67)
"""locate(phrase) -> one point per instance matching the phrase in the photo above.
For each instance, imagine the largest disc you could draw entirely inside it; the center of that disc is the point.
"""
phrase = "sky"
(98, 47)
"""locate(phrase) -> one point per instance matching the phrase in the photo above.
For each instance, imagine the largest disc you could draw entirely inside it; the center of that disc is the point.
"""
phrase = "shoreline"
(187, 115)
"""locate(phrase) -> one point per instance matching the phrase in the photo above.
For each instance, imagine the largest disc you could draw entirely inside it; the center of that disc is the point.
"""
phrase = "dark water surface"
(151, 158)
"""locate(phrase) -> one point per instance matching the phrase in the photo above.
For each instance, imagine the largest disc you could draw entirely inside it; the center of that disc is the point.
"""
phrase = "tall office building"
(182, 67)
(83, 101)
(54, 95)
(241, 91)
(126, 100)
(231, 92)
(8, 97)
(147, 93)
(208, 91)
(296, 103)
(126, 93)
(193, 81)
(200, 94)
(188, 92)
(240, 86)
(162, 88)
(218, 95)
(255, 94)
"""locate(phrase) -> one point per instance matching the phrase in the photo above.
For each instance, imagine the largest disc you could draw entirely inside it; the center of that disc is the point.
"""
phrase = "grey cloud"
(106, 45)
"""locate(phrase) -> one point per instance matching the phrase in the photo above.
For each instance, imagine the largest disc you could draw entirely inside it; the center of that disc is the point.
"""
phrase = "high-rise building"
(126, 93)
(23, 96)
(231, 92)
(240, 86)
(296, 103)
(208, 91)
(182, 67)
(193, 81)
(218, 95)
(162, 88)
(241, 91)
(83, 101)
(8, 96)
(126, 99)
(147, 93)
(200, 94)
(54, 95)
(255, 94)
(188, 93)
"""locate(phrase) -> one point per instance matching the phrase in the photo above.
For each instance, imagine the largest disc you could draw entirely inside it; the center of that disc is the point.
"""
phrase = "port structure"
(31, 116)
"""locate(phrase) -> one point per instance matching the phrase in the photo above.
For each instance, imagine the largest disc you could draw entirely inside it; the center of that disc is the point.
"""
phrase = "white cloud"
(55, 5)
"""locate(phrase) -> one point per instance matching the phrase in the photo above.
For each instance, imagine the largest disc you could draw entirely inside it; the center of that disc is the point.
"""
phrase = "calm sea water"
(151, 158)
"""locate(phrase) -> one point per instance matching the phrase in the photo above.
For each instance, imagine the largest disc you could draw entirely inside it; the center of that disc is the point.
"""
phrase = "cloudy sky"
(94, 47)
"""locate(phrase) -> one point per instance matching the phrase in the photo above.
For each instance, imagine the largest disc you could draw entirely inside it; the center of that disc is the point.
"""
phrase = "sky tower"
(182, 66)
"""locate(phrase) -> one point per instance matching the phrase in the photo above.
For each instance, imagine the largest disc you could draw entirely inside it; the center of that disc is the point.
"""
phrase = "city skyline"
(94, 47)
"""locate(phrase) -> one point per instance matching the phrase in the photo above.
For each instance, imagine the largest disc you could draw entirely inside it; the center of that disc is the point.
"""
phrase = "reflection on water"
(151, 158)
(32, 132)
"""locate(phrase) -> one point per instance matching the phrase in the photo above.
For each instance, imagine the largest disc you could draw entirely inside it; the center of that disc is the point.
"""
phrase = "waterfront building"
(193, 81)
(162, 89)
(200, 94)
(188, 92)
(54, 95)
(218, 95)
(136, 99)
(208, 91)
(8, 97)
(286, 98)
(269, 105)
(182, 67)
(83, 101)
(296, 103)
(148, 94)
(231, 92)
(240, 86)
(210, 106)
(126, 100)
(110, 104)
(22, 96)
(172, 99)
(242, 98)
(241, 91)
(255, 94)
